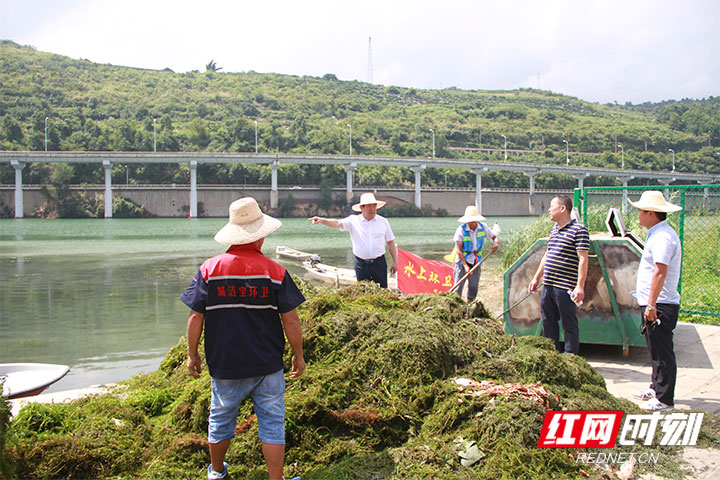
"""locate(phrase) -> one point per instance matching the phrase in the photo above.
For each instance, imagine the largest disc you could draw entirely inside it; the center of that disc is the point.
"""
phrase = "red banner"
(418, 275)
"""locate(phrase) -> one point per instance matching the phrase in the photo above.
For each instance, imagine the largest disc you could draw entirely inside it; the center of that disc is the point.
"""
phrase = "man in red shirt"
(246, 303)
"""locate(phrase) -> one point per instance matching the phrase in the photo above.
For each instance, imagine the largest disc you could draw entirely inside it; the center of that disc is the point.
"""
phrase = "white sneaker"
(655, 405)
(213, 475)
(645, 394)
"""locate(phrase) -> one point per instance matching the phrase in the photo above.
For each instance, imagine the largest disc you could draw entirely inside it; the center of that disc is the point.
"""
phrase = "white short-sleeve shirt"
(458, 237)
(368, 237)
(662, 245)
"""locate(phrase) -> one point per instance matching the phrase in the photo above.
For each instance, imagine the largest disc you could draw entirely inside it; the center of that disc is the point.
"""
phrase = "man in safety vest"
(469, 240)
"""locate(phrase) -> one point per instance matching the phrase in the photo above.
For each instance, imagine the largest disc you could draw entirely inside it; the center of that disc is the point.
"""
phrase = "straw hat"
(471, 215)
(654, 201)
(247, 223)
(367, 199)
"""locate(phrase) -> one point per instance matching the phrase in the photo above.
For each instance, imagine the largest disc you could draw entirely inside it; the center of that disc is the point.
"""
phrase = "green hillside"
(94, 107)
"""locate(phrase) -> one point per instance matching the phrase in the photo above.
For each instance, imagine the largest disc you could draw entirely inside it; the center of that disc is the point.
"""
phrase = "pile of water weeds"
(378, 401)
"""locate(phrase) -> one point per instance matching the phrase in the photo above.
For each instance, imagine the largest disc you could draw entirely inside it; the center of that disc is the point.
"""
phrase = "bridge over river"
(349, 162)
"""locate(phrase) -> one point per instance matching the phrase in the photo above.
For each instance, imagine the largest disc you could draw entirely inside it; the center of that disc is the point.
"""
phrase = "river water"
(102, 295)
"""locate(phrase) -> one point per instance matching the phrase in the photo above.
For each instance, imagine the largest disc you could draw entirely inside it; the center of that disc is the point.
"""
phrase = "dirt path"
(491, 287)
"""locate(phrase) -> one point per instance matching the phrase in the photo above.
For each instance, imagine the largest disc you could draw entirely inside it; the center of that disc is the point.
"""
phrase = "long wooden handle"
(470, 272)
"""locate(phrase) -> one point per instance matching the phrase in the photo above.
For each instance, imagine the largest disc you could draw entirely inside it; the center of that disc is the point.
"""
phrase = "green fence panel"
(698, 226)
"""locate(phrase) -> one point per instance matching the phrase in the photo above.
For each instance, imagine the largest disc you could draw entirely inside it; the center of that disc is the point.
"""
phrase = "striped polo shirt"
(242, 294)
(561, 260)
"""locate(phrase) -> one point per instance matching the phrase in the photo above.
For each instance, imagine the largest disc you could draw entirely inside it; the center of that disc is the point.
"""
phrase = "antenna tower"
(370, 67)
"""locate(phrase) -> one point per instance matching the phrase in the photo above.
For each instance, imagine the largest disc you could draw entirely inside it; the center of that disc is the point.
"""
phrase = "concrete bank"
(213, 201)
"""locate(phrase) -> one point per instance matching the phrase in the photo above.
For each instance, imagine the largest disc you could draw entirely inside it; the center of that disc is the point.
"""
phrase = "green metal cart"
(609, 315)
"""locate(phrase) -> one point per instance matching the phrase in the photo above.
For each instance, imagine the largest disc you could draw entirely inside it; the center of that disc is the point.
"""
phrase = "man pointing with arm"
(369, 233)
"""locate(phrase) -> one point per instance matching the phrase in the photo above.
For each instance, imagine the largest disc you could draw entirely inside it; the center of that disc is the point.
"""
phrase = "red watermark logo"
(580, 429)
(599, 429)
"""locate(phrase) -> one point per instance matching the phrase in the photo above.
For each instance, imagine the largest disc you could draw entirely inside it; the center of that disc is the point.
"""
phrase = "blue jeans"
(268, 397)
(374, 270)
(556, 306)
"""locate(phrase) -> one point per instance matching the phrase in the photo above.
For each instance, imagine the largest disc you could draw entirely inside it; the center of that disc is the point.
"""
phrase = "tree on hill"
(212, 67)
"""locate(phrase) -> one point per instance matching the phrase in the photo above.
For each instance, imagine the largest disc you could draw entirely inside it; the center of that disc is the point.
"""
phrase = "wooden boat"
(28, 379)
(336, 275)
(291, 253)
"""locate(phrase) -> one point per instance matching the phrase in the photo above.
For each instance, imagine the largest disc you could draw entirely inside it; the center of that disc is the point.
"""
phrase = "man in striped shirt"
(563, 270)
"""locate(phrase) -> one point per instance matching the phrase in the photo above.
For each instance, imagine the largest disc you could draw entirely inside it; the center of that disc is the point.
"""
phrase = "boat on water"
(291, 253)
(337, 276)
(28, 379)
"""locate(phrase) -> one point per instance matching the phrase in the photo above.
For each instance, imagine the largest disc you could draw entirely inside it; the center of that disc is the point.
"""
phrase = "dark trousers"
(472, 281)
(659, 340)
(556, 306)
(374, 270)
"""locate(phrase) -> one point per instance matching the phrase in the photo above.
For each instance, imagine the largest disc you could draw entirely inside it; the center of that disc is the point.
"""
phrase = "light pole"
(673, 152)
(256, 148)
(433, 142)
(622, 155)
(567, 152)
(154, 136)
(350, 138)
(446, 178)
(505, 148)
(46, 119)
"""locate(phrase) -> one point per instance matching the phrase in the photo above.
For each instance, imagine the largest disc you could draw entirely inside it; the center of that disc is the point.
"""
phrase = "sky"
(598, 50)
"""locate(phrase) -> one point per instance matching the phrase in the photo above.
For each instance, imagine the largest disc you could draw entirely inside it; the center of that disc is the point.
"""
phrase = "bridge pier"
(580, 177)
(108, 189)
(274, 185)
(666, 182)
(349, 169)
(193, 189)
(706, 194)
(418, 198)
(625, 179)
(531, 197)
(478, 187)
(18, 166)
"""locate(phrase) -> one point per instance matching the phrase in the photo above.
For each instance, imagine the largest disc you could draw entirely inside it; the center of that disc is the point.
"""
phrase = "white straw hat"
(366, 199)
(247, 223)
(654, 201)
(471, 215)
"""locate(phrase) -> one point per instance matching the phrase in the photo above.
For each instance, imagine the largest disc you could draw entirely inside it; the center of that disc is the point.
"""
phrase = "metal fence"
(697, 225)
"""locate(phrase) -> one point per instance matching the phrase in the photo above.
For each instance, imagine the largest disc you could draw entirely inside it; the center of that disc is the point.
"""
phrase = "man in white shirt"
(369, 233)
(656, 287)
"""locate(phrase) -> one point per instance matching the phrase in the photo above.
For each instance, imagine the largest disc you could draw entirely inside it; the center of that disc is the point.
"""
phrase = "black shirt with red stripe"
(242, 294)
